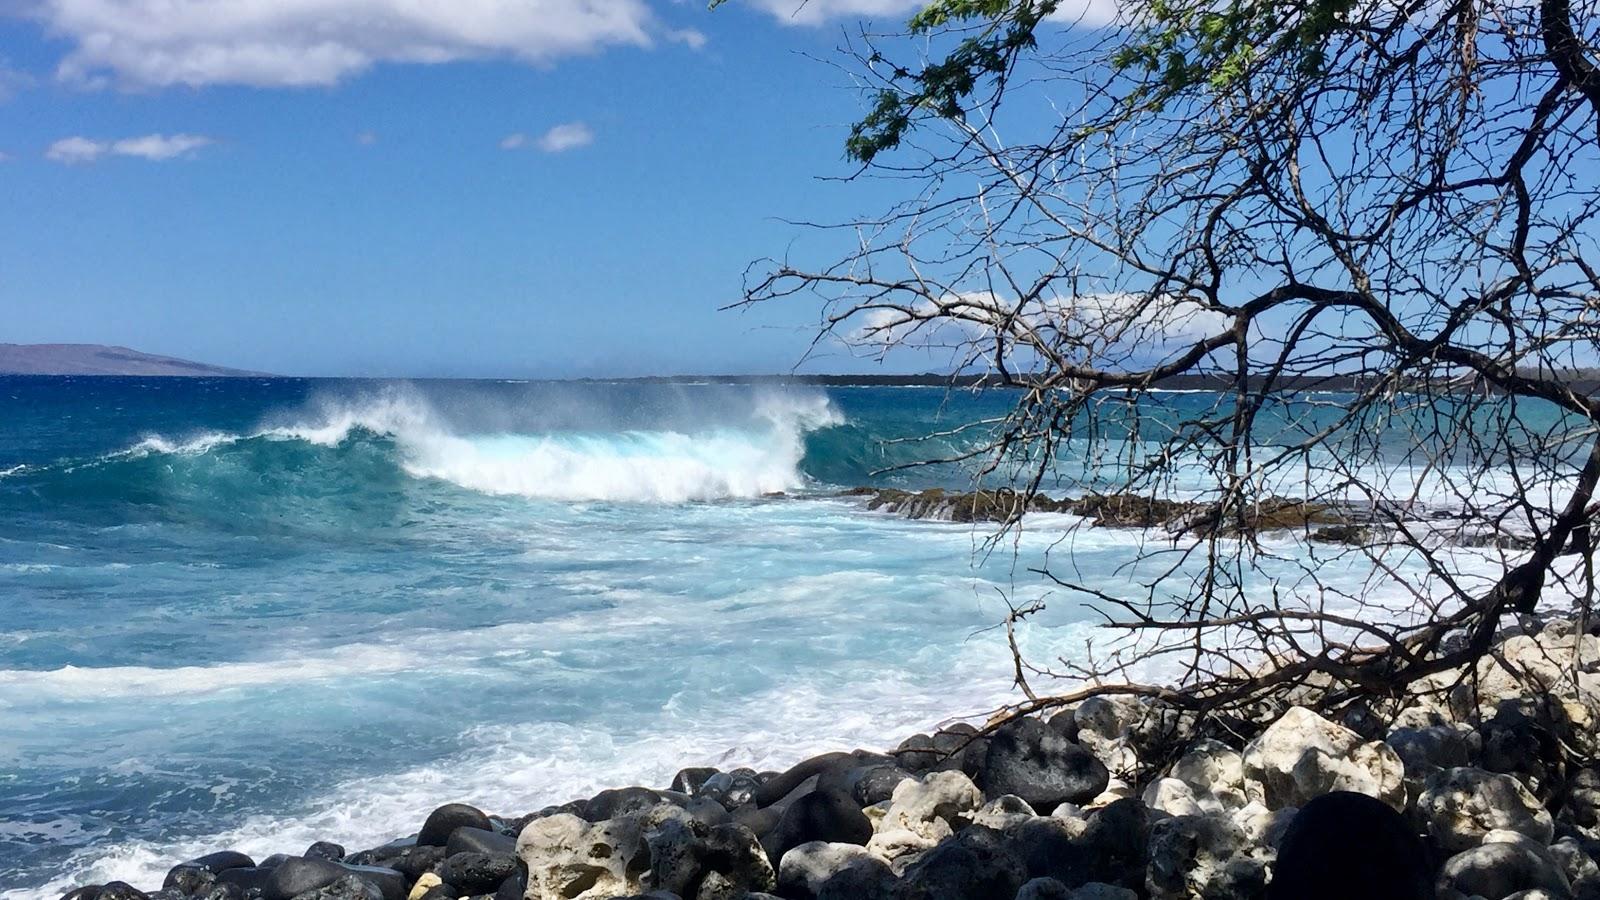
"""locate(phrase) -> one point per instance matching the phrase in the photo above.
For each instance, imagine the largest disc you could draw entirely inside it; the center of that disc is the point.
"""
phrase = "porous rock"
(1302, 756)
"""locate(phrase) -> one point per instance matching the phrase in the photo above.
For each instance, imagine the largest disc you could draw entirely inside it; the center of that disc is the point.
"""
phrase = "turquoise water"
(258, 613)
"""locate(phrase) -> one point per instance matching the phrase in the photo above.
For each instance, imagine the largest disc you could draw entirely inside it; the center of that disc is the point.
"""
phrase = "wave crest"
(745, 453)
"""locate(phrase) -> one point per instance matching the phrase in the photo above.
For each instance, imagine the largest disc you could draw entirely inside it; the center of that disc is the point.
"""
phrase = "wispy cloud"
(688, 37)
(567, 136)
(367, 138)
(514, 141)
(157, 43)
(79, 150)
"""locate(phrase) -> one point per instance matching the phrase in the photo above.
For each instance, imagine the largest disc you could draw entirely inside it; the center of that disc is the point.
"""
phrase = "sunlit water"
(254, 614)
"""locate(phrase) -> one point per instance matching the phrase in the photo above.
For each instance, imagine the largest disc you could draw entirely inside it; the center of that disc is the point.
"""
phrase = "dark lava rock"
(301, 875)
(514, 887)
(475, 840)
(785, 784)
(246, 880)
(275, 860)
(224, 891)
(120, 890)
(875, 784)
(976, 864)
(477, 873)
(87, 892)
(196, 876)
(1346, 844)
(688, 781)
(824, 815)
(622, 801)
(350, 887)
(1033, 761)
(436, 830)
(325, 850)
(917, 754)
(411, 861)
(731, 789)
(1118, 839)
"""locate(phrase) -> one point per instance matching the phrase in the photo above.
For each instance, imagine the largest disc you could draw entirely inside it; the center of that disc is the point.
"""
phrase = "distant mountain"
(99, 359)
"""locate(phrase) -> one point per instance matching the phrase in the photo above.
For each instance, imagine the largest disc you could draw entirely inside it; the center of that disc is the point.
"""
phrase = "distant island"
(100, 359)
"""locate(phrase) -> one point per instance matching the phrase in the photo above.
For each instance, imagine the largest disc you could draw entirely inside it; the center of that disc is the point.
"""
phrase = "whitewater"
(254, 613)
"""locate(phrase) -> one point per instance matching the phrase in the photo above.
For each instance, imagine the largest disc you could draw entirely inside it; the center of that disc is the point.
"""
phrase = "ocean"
(255, 613)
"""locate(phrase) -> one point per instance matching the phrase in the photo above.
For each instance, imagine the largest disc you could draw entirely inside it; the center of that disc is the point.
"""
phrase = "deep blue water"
(257, 613)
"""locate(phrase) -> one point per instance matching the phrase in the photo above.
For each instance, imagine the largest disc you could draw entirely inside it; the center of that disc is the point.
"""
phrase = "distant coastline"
(102, 359)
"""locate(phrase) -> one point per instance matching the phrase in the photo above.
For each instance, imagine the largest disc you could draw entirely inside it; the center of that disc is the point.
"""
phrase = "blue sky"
(349, 187)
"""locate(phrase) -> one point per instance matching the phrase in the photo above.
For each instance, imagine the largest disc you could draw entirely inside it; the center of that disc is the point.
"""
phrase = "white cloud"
(514, 141)
(567, 136)
(1098, 327)
(821, 12)
(74, 150)
(79, 150)
(367, 138)
(157, 43)
(688, 37)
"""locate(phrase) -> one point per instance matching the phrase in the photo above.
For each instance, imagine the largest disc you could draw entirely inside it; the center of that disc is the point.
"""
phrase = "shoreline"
(1073, 805)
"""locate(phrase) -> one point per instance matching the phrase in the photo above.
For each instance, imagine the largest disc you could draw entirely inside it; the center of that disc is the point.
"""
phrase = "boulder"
(620, 802)
(568, 858)
(976, 863)
(933, 808)
(476, 840)
(302, 875)
(693, 860)
(1003, 812)
(1214, 773)
(1459, 806)
(436, 829)
(325, 850)
(196, 876)
(1425, 750)
(1498, 869)
(1348, 845)
(731, 789)
(689, 781)
(1202, 858)
(1302, 756)
(1035, 762)
(471, 872)
(348, 887)
(824, 871)
(826, 815)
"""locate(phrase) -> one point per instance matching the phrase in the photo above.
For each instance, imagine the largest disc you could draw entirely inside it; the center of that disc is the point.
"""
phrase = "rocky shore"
(1484, 785)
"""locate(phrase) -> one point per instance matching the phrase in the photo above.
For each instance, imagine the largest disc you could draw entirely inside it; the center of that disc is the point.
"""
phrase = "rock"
(689, 781)
(691, 859)
(436, 830)
(196, 876)
(1096, 890)
(249, 880)
(301, 875)
(1581, 870)
(1302, 756)
(1499, 869)
(875, 784)
(513, 888)
(1348, 845)
(1425, 750)
(934, 807)
(1045, 889)
(427, 882)
(1035, 762)
(477, 873)
(1051, 849)
(619, 802)
(411, 861)
(119, 890)
(732, 790)
(325, 850)
(85, 892)
(977, 863)
(348, 887)
(1583, 798)
(568, 858)
(1214, 773)
(1520, 737)
(467, 839)
(1003, 812)
(824, 871)
(1459, 806)
(1204, 858)
(783, 785)
(1173, 797)
(917, 754)
(825, 815)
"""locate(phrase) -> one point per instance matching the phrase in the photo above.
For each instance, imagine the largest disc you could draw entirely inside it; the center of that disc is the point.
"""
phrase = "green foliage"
(1172, 47)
